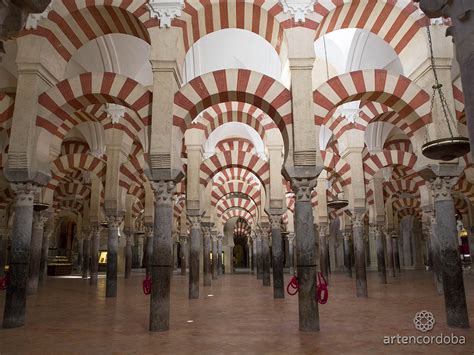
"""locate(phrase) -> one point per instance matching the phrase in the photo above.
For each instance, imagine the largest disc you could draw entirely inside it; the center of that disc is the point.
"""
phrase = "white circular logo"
(424, 321)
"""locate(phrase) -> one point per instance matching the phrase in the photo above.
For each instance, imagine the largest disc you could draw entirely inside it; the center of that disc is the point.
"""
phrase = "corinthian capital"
(357, 220)
(195, 222)
(441, 187)
(164, 193)
(24, 193)
(114, 221)
(302, 187)
(275, 221)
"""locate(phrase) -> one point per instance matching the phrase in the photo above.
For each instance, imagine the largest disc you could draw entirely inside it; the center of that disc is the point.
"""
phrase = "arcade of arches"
(218, 147)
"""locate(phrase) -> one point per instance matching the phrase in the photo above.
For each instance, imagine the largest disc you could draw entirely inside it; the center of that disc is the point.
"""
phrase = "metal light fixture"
(448, 148)
(338, 203)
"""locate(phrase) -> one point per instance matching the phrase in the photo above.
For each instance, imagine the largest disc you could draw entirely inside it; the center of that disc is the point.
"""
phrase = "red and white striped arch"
(234, 159)
(222, 190)
(459, 101)
(240, 144)
(409, 212)
(465, 187)
(393, 187)
(377, 161)
(7, 104)
(403, 145)
(335, 164)
(399, 93)
(236, 202)
(237, 212)
(73, 23)
(58, 104)
(395, 21)
(74, 147)
(179, 205)
(401, 203)
(239, 85)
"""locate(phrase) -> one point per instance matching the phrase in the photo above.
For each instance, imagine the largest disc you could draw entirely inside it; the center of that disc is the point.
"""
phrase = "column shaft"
(95, 245)
(266, 260)
(195, 246)
(112, 253)
(347, 254)
(359, 246)
(86, 255)
(396, 256)
(388, 243)
(380, 255)
(214, 258)
(323, 251)
(206, 238)
(277, 254)
(35, 254)
(259, 258)
(128, 254)
(219, 258)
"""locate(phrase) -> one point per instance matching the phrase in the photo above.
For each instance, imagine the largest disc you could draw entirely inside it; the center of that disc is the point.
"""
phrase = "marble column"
(379, 236)
(149, 248)
(388, 244)
(48, 231)
(372, 250)
(219, 254)
(128, 252)
(323, 250)
(291, 240)
(95, 246)
(162, 260)
(347, 253)
(266, 257)
(206, 249)
(259, 257)
(141, 243)
(435, 252)
(306, 253)
(406, 226)
(80, 251)
(35, 254)
(396, 255)
(359, 246)
(86, 255)
(447, 235)
(277, 255)
(15, 300)
(214, 256)
(113, 224)
(183, 240)
(195, 249)
(254, 254)
(3, 251)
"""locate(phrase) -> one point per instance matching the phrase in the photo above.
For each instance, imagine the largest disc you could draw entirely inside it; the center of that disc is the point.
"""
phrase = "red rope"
(322, 293)
(147, 285)
(4, 282)
(293, 286)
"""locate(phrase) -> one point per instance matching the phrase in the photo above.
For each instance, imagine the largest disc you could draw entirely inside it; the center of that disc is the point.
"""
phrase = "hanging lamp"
(448, 148)
(38, 205)
(338, 203)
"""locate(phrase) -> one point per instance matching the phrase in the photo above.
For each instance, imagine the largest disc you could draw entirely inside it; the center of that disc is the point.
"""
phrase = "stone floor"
(235, 315)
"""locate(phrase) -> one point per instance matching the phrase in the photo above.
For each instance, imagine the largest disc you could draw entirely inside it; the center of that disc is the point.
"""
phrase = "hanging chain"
(437, 87)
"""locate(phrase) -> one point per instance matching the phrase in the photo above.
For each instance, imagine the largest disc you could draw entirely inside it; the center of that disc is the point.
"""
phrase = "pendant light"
(448, 148)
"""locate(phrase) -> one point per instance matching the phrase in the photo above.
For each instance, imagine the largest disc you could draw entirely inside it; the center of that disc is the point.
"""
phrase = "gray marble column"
(15, 300)
(140, 251)
(277, 255)
(3, 251)
(80, 251)
(35, 253)
(435, 252)
(259, 257)
(194, 251)
(149, 233)
(453, 282)
(183, 240)
(214, 255)
(359, 246)
(323, 230)
(406, 226)
(48, 231)
(396, 255)
(379, 236)
(291, 240)
(347, 253)
(390, 264)
(219, 254)
(254, 253)
(113, 224)
(128, 252)
(206, 250)
(266, 257)
(86, 255)
(95, 246)
(162, 260)
(306, 254)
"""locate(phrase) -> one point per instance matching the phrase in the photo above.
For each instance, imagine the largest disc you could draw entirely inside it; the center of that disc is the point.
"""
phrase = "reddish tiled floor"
(69, 316)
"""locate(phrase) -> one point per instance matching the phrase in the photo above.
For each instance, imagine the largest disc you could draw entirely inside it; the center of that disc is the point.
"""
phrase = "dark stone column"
(306, 253)
(35, 254)
(194, 251)
(214, 256)
(277, 255)
(266, 257)
(183, 240)
(86, 255)
(378, 229)
(347, 253)
(15, 301)
(95, 246)
(219, 257)
(113, 224)
(323, 250)
(162, 260)
(453, 283)
(3, 251)
(359, 246)
(390, 264)
(149, 248)
(436, 256)
(128, 252)
(80, 250)
(291, 240)
(48, 231)
(259, 257)
(254, 253)
(396, 257)
(206, 238)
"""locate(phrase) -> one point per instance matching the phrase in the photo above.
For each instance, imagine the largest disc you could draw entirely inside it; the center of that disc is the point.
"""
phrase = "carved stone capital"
(206, 229)
(347, 235)
(195, 222)
(165, 10)
(357, 220)
(377, 230)
(303, 187)
(183, 240)
(394, 234)
(113, 221)
(442, 187)
(291, 237)
(275, 221)
(323, 229)
(164, 193)
(298, 8)
(24, 193)
(39, 219)
(149, 230)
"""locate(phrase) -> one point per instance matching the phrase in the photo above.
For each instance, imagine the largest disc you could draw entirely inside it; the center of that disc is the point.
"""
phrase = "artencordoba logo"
(424, 321)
